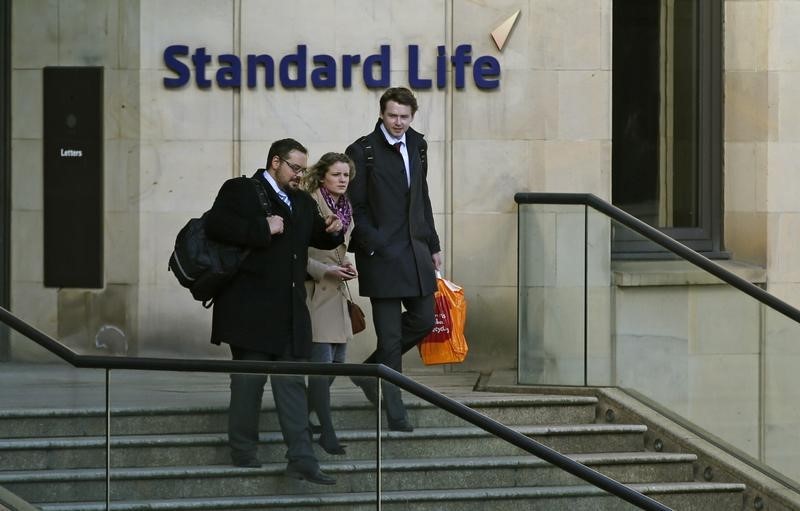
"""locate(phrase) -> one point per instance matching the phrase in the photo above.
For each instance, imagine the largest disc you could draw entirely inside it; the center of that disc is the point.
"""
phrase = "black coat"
(394, 233)
(264, 307)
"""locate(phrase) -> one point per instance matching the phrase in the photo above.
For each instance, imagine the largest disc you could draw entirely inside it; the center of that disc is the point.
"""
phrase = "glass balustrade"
(667, 331)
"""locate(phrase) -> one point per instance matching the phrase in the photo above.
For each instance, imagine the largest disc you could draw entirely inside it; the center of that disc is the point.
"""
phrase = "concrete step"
(211, 449)
(684, 496)
(352, 476)
(354, 413)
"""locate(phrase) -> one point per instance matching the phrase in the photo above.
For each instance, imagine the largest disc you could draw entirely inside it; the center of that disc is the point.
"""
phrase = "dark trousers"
(319, 392)
(397, 333)
(290, 401)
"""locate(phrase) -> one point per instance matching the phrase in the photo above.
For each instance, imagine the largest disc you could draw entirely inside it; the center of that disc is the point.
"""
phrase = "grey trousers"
(291, 403)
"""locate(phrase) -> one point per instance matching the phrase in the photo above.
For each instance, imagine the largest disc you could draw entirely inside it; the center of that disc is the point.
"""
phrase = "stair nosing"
(178, 439)
(400, 496)
(100, 412)
(398, 465)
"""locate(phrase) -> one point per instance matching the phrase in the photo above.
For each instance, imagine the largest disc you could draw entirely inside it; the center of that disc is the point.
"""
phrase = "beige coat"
(330, 321)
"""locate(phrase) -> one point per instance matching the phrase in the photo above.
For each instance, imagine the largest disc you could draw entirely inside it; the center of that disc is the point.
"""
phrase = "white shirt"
(403, 149)
(284, 197)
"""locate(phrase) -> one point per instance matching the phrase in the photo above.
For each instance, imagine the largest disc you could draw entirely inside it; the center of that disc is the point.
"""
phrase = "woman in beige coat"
(327, 182)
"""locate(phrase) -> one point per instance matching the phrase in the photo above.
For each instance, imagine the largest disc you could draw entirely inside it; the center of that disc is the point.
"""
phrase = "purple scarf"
(341, 208)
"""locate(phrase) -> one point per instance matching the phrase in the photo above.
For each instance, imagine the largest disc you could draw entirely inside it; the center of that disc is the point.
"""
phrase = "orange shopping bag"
(444, 323)
(446, 343)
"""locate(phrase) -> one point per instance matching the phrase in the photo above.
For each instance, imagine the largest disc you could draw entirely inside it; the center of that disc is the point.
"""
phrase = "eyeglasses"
(297, 169)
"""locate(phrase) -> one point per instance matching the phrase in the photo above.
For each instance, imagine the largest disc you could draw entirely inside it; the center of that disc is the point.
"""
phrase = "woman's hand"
(351, 270)
(347, 272)
(332, 224)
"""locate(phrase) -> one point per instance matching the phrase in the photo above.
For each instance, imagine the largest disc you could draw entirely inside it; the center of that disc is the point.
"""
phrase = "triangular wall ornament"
(500, 34)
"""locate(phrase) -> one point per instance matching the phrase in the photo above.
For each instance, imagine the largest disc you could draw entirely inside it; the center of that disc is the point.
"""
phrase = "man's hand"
(275, 224)
(333, 224)
(437, 261)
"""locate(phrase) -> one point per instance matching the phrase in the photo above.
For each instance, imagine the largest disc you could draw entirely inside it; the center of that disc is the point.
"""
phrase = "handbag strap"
(338, 258)
(349, 296)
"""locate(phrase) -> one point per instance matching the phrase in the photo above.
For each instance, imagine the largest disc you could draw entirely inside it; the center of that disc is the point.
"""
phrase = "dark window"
(667, 121)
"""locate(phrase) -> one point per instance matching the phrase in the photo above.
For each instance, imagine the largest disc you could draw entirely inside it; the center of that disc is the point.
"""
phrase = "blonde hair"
(316, 173)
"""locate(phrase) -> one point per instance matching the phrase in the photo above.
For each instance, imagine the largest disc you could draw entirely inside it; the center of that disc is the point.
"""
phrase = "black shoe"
(312, 475)
(403, 425)
(368, 385)
(338, 449)
(246, 462)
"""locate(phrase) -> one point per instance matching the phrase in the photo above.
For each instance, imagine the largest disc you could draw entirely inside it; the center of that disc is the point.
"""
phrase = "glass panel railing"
(171, 442)
(690, 343)
(52, 432)
(671, 333)
(600, 300)
(552, 286)
(780, 448)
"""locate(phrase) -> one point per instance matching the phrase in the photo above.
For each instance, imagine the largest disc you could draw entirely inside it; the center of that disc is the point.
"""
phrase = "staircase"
(176, 458)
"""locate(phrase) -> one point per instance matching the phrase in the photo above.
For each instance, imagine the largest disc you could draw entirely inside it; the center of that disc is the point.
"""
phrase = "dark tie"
(397, 146)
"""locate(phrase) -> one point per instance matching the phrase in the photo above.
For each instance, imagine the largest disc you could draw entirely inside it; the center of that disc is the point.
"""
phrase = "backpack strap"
(423, 156)
(262, 196)
(369, 154)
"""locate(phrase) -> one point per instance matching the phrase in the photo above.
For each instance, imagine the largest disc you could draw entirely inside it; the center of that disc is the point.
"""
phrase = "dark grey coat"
(264, 307)
(394, 233)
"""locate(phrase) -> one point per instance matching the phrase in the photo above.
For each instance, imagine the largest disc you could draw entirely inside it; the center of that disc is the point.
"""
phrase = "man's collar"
(272, 183)
(391, 138)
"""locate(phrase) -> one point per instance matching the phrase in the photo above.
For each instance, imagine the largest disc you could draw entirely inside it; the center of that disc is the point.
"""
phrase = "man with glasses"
(262, 312)
(394, 240)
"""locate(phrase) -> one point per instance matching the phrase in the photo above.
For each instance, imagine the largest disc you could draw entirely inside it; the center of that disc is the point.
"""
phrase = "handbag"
(357, 318)
(446, 343)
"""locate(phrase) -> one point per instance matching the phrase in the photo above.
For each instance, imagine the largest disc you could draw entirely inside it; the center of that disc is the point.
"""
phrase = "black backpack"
(204, 266)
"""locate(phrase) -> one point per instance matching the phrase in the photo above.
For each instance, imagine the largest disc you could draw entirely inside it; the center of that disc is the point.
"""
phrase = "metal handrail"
(658, 237)
(374, 370)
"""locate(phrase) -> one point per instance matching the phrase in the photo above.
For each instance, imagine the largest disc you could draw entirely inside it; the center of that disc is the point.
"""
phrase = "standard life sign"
(295, 70)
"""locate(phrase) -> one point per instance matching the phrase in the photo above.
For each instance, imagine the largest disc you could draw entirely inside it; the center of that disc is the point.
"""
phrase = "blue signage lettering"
(200, 59)
(460, 60)
(382, 60)
(253, 61)
(441, 67)
(172, 62)
(325, 69)
(298, 60)
(324, 74)
(486, 67)
(348, 61)
(229, 76)
(413, 69)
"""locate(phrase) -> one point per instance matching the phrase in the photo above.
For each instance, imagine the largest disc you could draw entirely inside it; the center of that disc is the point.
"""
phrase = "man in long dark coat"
(262, 313)
(395, 242)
